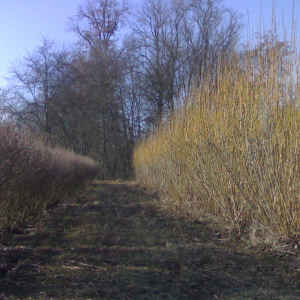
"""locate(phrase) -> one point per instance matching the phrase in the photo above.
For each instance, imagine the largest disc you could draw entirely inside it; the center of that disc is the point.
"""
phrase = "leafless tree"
(101, 67)
(119, 81)
(98, 21)
(36, 81)
(178, 41)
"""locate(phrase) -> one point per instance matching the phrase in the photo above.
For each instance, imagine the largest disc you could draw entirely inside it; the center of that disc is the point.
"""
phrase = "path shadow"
(114, 241)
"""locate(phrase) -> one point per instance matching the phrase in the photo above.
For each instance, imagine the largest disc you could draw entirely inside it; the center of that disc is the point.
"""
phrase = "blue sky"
(24, 22)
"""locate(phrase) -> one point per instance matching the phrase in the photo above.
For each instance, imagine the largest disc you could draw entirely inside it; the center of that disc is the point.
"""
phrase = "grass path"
(113, 241)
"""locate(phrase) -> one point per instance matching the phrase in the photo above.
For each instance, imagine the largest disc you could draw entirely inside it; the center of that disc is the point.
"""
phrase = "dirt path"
(113, 241)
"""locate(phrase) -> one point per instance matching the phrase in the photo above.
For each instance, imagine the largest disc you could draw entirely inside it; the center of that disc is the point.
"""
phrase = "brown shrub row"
(34, 177)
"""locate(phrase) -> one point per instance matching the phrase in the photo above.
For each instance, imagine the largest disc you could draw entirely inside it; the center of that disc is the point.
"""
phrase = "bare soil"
(115, 241)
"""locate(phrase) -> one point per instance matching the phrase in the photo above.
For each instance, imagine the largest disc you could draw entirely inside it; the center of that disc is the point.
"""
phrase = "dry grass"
(33, 176)
(113, 241)
(233, 150)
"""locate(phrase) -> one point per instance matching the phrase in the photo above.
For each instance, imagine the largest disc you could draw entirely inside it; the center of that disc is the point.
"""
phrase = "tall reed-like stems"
(233, 149)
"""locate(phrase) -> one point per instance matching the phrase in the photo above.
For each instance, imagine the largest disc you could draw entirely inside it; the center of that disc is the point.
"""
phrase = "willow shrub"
(33, 176)
(233, 150)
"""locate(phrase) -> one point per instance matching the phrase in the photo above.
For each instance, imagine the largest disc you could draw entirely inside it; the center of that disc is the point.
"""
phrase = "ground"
(114, 240)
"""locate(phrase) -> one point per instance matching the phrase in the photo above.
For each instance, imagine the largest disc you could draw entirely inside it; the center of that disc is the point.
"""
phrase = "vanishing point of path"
(114, 241)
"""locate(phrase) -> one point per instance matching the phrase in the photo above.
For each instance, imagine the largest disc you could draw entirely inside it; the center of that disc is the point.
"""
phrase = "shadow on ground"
(114, 241)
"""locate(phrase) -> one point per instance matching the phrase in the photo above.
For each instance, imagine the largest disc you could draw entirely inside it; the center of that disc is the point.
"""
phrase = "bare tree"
(97, 23)
(101, 70)
(35, 82)
(179, 40)
(102, 96)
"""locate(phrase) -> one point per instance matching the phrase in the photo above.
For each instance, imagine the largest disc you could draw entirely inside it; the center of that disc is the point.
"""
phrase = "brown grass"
(33, 176)
(113, 241)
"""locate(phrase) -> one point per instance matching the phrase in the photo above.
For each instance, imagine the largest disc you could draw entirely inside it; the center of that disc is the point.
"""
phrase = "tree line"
(130, 69)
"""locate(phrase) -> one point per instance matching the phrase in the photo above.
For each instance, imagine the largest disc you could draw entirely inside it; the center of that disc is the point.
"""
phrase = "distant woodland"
(129, 70)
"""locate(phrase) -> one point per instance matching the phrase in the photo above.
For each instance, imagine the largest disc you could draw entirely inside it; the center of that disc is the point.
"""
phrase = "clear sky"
(24, 22)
